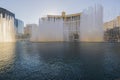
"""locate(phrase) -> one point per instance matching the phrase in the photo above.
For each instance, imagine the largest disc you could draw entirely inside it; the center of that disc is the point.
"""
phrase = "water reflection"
(111, 61)
(7, 55)
(59, 61)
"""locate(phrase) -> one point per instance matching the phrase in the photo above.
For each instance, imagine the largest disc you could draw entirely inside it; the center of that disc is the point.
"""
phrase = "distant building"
(111, 24)
(19, 27)
(7, 26)
(59, 27)
(28, 29)
(86, 26)
(71, 29)
(112, 35)
(112, 30)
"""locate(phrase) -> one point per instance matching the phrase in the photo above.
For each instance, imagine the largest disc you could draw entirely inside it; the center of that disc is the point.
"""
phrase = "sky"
(30, 11)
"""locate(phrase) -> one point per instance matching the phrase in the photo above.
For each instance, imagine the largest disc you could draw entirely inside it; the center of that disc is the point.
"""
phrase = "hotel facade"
(28, 30)
(112, 30)
(86, 26)
(60, 27)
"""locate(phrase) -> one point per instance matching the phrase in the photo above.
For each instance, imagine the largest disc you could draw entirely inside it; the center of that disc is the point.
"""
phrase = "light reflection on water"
(59, 61)
(7, 55)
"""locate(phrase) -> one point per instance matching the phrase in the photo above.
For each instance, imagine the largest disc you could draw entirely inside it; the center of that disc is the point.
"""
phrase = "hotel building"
(112, 30)
(68, 26)
(86, 26)
(28, 30)
(113, 23)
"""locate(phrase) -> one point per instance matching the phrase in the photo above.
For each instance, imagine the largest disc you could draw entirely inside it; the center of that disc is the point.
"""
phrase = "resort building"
(59, 27)
(86, 26)
(111, 24)
(112, 35)
(7, 27)
(28, 29)
(112, 30)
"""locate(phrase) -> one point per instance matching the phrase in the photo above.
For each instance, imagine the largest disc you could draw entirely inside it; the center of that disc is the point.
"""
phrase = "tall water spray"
(47, 32)
(91, 24)
(85, 27)
(7, 27)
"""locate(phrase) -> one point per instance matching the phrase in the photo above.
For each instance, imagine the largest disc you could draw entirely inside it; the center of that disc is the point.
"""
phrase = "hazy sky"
(31, 10)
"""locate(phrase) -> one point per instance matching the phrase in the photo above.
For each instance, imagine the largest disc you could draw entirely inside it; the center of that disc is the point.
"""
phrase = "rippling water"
(59, 61)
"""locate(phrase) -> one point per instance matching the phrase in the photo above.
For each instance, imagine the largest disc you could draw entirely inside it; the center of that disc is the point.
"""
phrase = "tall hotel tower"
(7, 26)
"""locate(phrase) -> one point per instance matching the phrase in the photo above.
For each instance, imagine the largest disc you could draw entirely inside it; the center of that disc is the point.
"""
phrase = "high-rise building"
(19, 27)
(113, 23)
(59, 28)
(7, 27)
(28, 29)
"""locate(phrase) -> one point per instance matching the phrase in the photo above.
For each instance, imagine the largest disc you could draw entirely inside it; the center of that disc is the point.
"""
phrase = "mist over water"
(47, 32)
(59, 61)
(91, 26)
(7, 29)
(88, 27)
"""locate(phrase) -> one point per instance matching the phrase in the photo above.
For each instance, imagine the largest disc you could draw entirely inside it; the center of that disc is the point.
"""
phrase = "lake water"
(59, 61)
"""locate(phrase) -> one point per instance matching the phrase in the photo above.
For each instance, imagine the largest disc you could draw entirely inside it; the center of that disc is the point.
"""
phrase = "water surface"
(59, 61)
